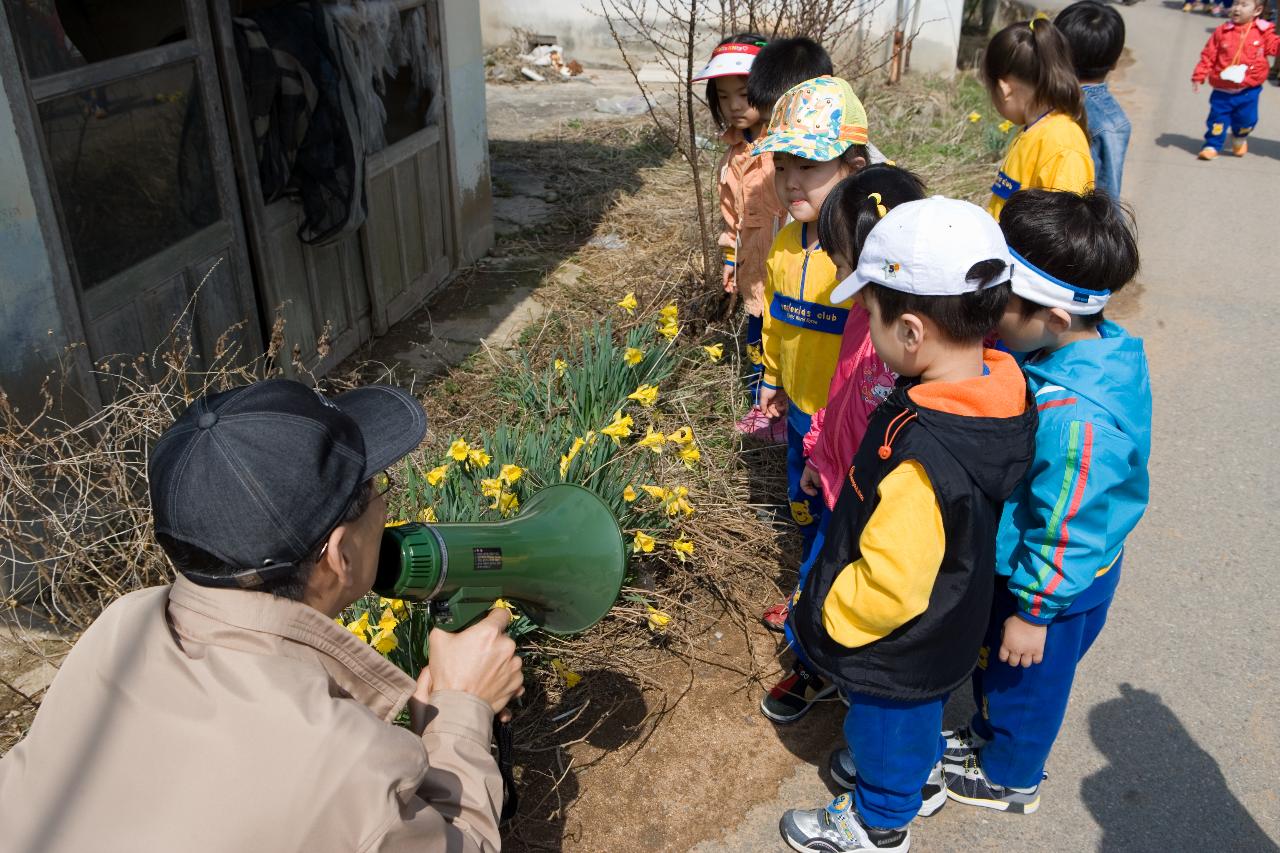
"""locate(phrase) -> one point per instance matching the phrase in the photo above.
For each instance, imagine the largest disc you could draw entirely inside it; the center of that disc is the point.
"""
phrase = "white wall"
(465, 103)
(582, 32)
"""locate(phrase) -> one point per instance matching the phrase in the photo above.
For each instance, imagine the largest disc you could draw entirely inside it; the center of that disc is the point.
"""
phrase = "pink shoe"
(756, 423)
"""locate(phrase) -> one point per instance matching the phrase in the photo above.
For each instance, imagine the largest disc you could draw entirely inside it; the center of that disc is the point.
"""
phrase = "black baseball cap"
(259, 475)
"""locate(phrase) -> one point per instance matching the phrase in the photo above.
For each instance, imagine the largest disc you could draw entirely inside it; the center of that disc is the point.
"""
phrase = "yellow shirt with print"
(802, 327)
(1051, 153)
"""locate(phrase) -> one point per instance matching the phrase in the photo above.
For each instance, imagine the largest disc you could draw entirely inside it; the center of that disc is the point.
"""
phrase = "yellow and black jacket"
(896, 605)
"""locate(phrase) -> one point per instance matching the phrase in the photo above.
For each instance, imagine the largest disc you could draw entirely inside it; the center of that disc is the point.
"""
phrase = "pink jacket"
(752, 215)
(860, 382)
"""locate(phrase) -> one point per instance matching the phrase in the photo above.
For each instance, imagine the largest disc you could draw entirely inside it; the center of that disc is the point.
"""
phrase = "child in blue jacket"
(1060, 543)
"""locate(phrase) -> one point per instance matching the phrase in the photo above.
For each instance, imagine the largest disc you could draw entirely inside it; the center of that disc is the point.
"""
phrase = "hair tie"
(1040, 16)
(881, 210)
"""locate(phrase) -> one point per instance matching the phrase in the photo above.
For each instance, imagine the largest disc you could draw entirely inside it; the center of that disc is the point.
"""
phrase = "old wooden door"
(134, 143)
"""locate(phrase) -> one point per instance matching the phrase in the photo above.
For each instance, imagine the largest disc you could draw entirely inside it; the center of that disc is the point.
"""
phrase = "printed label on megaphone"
(561, 561)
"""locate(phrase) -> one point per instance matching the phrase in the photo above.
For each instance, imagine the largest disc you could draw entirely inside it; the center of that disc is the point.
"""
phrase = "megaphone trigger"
(561, 561)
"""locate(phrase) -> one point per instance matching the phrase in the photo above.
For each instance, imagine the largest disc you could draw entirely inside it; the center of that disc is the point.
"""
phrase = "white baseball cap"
(927, 247)
(729, 60)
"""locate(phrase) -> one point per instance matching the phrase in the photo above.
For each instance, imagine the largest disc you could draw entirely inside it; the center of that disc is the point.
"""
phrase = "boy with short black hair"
(1063, 531)
(781, 64)
(1096, 35)
(895, 608)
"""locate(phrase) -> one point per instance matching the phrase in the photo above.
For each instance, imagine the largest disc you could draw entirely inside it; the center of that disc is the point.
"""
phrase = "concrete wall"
(465, 103)
(584, 35)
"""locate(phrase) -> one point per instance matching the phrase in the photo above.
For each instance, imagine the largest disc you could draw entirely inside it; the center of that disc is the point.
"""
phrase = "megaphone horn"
(561, 561)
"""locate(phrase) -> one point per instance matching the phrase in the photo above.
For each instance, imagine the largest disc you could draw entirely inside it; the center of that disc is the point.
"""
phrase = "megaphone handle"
(506, 761)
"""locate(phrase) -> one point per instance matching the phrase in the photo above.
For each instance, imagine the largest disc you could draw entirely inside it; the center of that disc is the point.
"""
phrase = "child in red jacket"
(1235, 64)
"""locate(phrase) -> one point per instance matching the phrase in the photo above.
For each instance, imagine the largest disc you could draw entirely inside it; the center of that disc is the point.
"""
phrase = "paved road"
(1171, 742)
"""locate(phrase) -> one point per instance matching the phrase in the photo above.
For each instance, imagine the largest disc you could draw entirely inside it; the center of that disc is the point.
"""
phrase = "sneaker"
(1207, 153)
(1240, 147)
(755, 423)
(1186, 7)
(961, 743)
(793, 696)
(775, 618)
(933, 794)
(966, 783)
(838, 828)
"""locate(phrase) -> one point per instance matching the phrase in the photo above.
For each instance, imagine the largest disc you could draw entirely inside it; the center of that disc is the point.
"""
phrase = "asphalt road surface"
(1171, 742)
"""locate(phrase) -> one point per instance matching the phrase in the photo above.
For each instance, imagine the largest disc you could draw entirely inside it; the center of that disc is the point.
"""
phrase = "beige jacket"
(196, 719)
(752, 215)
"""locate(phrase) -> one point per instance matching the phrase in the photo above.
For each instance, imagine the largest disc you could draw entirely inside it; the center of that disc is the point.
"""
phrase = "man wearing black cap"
(229, 711)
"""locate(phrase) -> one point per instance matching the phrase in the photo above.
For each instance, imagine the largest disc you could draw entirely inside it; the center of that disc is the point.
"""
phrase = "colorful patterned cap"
(817, 120)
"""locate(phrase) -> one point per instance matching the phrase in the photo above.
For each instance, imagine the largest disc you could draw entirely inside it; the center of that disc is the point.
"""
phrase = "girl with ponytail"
(1032, 82)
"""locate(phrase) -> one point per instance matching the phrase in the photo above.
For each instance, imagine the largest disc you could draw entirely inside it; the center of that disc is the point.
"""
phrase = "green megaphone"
(561, 561)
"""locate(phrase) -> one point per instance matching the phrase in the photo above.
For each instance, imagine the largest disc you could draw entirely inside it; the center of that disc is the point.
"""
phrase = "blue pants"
(755, 338)
(1235, 110)
(806, 511)
(1020, 710)
(814, 550)
(894, 745)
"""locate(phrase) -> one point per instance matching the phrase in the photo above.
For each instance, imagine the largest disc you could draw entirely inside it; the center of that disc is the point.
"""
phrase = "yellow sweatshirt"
(1051, 153)
(802, 327)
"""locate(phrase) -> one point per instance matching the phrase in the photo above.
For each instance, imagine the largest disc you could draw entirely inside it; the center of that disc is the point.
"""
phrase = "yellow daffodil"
(646, 395)
(656, 492)
(398, 607)
(507, 606)
(436, 475)
(1005, 126)
(754, 355)
(508, 504)
(388, 620)
(396, 523)
(568, 457)
(478, 458)
(620, 428)
(975, 117)
(633, 356)
(669, 313)
(658, 619)
(560, 366)
(427, 515)
(628, 303)
(677, 501)
(653, 441)
(643, 542)
(715, 352)
(683, 548)
(359, 627)
(510, 473)
(491, 487)
(668, 330)
(384, 642)
(690, 455)
(682, 436)
(459, 450)
(568, 676)
(629, 494)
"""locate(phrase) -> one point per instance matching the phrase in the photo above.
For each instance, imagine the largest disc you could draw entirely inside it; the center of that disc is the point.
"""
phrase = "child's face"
(844, 269)
(1244, 11)
(802, 185)
(1012, 99)
(732, 94)
(1022, 333)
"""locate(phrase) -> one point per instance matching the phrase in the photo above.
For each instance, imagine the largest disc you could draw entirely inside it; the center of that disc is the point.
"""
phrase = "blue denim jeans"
(1108, 137)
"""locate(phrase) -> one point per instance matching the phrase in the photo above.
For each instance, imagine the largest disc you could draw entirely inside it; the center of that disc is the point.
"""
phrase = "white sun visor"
(728, 60)
(1035, 285)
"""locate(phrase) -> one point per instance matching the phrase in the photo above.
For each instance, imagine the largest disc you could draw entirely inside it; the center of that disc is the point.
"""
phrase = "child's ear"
(1058, 321)
(859, 163)
(911, 332)
(1005, 86)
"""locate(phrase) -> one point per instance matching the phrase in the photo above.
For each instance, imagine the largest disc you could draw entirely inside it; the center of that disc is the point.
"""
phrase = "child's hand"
(730, 281)
(1022, 643)
(1195, 87)
(810, 482)
(773, 401)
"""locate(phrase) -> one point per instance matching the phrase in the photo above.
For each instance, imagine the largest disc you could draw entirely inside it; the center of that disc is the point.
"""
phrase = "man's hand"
(773, 401)
(1022, 643)
(480, 660)
(730, 280)
(810, 482)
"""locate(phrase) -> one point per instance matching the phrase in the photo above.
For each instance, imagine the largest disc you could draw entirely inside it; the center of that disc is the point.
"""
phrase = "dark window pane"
(131, 165)
(55, 37)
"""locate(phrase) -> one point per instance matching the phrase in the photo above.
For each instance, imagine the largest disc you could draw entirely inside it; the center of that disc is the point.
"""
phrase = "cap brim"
(802, 145)
(848, 288)
(391, 421)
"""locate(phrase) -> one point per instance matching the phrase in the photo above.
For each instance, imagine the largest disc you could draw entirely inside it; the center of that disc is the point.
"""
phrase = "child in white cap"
(896, 606)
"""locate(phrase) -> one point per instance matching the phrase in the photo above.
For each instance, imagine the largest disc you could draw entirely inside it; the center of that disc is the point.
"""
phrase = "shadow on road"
(1160, 790)
(1193, 144)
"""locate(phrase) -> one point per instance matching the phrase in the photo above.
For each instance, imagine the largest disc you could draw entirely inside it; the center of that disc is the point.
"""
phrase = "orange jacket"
(752, 215)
